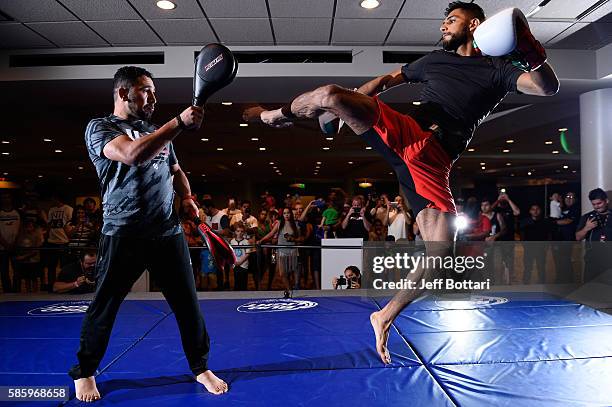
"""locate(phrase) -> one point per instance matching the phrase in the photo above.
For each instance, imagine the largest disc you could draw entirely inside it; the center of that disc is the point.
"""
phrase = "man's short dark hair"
(208, 203)
(127, 76)
(90, 253)
(598, 193)
(473, 9)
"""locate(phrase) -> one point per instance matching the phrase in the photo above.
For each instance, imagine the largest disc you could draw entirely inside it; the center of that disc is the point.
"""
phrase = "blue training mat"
(513, 349)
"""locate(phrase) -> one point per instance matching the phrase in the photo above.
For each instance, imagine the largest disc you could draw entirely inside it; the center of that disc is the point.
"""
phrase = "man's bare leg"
(435, 227)
(357, 110)
(212, 383)
(86, 389)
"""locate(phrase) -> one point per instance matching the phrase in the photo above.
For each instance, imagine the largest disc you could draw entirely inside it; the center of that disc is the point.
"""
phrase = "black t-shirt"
(467, 88)
(535, 230)
(567, 232)
(509, 218)
(137, 200)
(355, 229)
(69, 274)
(604, 228)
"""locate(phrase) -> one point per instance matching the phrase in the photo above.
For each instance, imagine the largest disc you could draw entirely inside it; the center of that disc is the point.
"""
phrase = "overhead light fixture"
(548, 142)
(58, 151)
(298, 185)
(219, 148)
(325, 148)
(563, 129)
(508, 164)
(47, 140)
(510, 141)
(6, 142)
(80, 167)
(239, 163)
(555, 151)
(244, 125)
(166, 5)
(483, 164)
(40, 176)
(350, 162)
(370, 4)
(271, 163)
(512, 175)
(6, 153)
(416, 103)
(262, 149)
(319, 162)
(329, 138)
(204, 139)
(254, 139)
(365, 184)
(529, 173)
(471, 150)
(573, 171)
(505, 151)
(203, 175)
(391, 173)
(483, 168)
(368, 148)
(565, 167)
(226, 103)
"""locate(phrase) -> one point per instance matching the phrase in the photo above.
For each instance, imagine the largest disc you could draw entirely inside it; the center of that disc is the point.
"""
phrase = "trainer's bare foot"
(86, 389)
(381, 330)
(212, 383)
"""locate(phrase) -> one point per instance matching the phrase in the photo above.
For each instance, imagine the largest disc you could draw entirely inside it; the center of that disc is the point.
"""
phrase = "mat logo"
(62, 308)
(482, 300)
(474, 301)
(276, 305)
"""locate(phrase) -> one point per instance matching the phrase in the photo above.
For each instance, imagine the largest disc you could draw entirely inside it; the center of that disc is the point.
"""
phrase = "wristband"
(180, 122)
(286, 111)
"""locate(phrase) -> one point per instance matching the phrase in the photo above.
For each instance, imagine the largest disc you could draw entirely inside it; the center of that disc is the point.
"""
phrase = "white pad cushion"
(497, 35)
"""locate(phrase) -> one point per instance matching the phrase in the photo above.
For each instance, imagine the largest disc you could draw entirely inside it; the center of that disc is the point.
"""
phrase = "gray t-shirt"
(137, 200)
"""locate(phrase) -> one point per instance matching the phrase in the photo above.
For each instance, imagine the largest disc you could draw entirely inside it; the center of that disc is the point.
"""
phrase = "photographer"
(594, 227)
(78, 277)
(350, 280)
(355, 224)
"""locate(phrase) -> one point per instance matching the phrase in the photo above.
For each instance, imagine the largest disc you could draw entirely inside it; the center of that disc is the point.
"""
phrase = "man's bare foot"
(86, 389)
(212, 383)
(381, 331)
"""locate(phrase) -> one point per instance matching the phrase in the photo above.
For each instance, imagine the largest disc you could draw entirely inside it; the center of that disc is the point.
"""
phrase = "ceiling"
(59, 110)
(581, 24)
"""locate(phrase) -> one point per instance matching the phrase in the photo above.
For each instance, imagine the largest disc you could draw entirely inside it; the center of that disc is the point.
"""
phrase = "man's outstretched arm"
(382, 83)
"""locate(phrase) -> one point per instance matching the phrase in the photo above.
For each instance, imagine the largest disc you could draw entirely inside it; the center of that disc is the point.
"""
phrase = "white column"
(595, 143)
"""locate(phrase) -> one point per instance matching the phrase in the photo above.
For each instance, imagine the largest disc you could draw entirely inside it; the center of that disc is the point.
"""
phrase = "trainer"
(139, 176)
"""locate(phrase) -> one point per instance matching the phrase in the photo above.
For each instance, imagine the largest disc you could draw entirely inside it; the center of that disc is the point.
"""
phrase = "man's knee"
(331, 96)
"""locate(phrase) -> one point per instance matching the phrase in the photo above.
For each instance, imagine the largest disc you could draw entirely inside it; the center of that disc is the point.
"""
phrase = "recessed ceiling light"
(275, 167)
(329, 138)
(416, 103)
(505, 151)
(512, 175)
(368, 148)
(219, 148)
(271, 163)
(529, 173)
(203, 175)
(262, 149)
(483, 164)
(350, 162)
(548, 142)
(204, 139)
(369, 4)
(6, 142)
(188, 173)
(484, 168)
(555, 151)
(47, 140)
(239, 163)
(318, 166)
(70, 178)
(280, 173)
(244, 125)
(508, 164)
(58, 151)
(319, 162)
(254, 139)
(325, 148)
(166, 5)
(391, 173)
(5, 153)
(80, 167)
(226, 103)
(510, 141)
(6, 173)
(471, 150)
(40, 176)
(563, 129)
(557, 171)
(565, 167)
(573, 172)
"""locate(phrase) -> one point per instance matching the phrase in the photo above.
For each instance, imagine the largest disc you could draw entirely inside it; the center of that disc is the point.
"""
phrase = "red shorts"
(421, 164)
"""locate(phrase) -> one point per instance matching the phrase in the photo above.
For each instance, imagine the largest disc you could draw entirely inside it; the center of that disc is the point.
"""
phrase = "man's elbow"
(549, 89)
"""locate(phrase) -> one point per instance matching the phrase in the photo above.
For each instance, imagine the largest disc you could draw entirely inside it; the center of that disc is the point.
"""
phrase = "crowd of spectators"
(35, 241)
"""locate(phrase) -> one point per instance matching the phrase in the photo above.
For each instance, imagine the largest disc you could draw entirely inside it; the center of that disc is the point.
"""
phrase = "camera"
(341, 281)
(598, 219)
